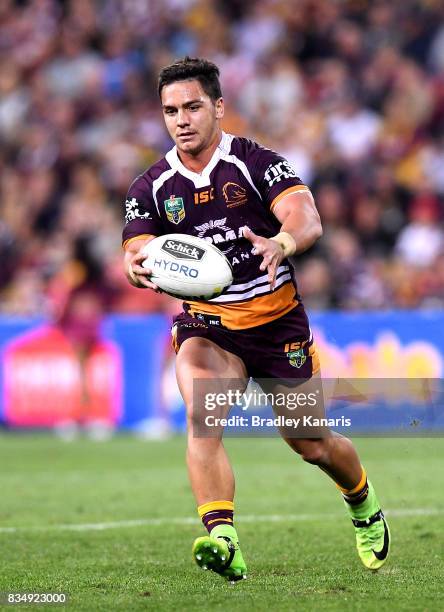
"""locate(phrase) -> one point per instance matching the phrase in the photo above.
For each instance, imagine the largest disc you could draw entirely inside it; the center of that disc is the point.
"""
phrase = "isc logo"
(202, 197)
(294, 346)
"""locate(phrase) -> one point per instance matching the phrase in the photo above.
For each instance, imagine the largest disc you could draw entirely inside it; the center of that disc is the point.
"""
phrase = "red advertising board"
(46, 382)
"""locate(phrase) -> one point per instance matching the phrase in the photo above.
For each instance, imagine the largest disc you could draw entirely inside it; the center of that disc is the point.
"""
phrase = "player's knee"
(198, 427)
(194, 416)
(202, 450)
(311, 451)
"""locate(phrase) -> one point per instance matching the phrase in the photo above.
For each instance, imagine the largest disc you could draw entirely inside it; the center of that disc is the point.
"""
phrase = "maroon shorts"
(283, 348)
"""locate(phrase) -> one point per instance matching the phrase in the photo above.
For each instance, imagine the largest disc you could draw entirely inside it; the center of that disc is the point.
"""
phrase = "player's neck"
(196, 163)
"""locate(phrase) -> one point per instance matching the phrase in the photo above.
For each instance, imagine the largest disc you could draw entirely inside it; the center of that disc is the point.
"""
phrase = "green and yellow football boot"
(372, 532)
(220, 553)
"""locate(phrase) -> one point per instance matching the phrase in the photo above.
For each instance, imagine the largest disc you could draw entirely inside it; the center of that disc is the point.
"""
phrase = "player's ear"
(219, 105)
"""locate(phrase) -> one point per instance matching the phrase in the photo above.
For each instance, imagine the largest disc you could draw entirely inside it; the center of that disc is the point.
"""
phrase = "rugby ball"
(187, 267)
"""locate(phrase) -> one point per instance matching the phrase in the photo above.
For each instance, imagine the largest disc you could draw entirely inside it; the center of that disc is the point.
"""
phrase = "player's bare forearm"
(136, 274)
(301, 227)
(300, 219)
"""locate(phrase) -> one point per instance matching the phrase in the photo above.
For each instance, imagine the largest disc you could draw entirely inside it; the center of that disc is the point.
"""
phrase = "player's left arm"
(300, 228)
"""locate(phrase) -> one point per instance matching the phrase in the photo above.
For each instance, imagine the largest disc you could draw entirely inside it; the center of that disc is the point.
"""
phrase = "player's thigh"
(206, 373)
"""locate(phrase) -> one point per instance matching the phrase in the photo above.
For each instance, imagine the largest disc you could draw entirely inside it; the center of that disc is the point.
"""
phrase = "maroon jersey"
(239, 187)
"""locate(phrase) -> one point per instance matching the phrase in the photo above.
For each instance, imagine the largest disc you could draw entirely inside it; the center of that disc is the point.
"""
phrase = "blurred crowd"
(352, 93)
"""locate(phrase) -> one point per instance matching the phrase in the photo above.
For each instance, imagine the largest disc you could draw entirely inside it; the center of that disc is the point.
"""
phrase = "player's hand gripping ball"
(187, 267)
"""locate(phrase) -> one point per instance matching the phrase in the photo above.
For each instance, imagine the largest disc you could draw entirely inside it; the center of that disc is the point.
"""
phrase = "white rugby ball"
(187, 267)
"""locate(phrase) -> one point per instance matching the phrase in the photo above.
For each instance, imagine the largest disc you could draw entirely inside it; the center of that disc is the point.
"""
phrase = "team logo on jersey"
(297, 358)
(276, 172)
(234, 195)
(175, 210)
(133, 212)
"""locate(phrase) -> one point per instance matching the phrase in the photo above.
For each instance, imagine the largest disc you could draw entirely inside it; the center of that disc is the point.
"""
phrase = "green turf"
(295, 563)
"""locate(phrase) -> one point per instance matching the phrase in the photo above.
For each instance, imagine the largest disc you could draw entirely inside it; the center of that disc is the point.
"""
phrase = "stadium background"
(352, 93)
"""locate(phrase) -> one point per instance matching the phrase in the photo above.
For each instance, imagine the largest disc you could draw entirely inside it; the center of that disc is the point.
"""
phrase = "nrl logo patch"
(175, 210)
(297, 358)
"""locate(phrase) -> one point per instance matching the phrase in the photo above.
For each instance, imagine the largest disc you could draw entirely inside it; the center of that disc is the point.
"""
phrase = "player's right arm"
(137, 275)
(142, 224)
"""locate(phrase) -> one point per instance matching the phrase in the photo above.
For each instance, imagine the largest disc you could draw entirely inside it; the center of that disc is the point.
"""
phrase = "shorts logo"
(174, 209)
(276, 172)
(194, 325)
(133, 212)
(234, 195)
(297, 358)
(213, 320)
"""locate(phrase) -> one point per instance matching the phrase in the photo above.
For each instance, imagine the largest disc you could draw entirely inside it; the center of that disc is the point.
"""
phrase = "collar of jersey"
(200, 179)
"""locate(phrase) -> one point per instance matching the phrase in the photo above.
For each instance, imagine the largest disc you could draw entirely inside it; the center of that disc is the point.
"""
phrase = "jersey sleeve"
(273, 176)
(141, 216)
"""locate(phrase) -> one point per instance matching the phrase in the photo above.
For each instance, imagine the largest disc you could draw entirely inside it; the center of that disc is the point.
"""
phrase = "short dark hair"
(190, 68)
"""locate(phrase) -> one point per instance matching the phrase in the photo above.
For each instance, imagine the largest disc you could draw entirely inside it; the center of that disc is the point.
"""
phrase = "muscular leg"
(337, 456)
(334, 454)
(209, 469)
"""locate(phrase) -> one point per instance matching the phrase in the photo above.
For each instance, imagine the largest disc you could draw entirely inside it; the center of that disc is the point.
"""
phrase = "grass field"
(112, 524)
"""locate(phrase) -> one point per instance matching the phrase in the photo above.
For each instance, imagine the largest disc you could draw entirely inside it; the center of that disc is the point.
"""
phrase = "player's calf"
(337, 456)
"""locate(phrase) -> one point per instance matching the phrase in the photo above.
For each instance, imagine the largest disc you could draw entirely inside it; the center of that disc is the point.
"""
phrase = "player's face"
(191, 117)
